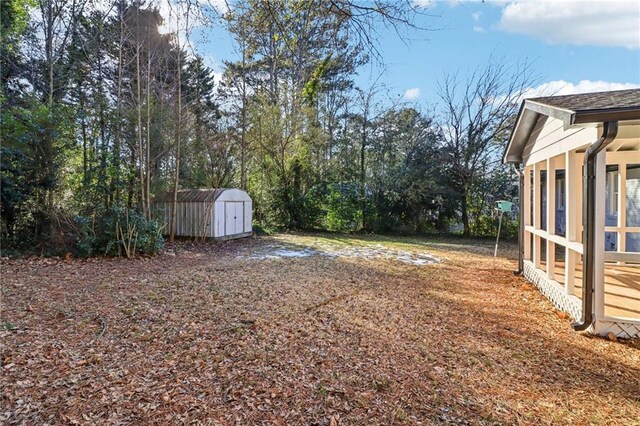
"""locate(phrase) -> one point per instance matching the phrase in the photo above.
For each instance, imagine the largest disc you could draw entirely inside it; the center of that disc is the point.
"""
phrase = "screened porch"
(553, 228)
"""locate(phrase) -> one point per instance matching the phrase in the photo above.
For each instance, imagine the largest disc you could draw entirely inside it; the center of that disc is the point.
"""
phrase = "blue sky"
(576, 46)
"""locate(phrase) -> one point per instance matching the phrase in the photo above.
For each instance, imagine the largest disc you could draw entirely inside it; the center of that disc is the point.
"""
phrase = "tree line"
(102, 111)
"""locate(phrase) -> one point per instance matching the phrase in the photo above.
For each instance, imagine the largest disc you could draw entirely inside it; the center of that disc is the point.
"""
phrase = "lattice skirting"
(572, 305)
(623, 329)
(555, 292)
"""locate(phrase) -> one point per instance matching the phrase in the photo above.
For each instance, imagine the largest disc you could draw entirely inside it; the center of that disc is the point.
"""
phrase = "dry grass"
(206, 335)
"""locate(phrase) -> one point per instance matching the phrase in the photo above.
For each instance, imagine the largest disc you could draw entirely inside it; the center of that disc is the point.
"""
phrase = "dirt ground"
(301, 329)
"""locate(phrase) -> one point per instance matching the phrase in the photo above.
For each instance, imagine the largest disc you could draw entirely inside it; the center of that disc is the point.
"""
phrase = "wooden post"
(578, 163)
(526, 216)
(622, 206)
(551, 217)
(536, 214)
(598, 256)
(573, 186)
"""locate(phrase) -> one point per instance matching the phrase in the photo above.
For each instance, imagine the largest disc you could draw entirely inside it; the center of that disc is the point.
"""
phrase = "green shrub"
(117, 231)
(262, 230)
(343, 210)
(332, 207)
(487, 226)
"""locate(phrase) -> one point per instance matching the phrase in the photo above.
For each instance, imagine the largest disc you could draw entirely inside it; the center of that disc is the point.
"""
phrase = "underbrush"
(115, 231)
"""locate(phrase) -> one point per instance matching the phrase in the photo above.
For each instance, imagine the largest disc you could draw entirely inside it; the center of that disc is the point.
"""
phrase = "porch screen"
(633, 206)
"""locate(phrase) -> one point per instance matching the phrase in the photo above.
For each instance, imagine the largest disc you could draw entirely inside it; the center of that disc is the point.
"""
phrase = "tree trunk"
(363, 175)
(148, 153)
(115, 180)
(132, 178)
(243, 129)
(465, 216)
(176, 179)
(85, 154)
(139, 130)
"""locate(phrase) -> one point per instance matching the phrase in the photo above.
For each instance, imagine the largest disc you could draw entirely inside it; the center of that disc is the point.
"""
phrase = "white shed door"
(234, 217)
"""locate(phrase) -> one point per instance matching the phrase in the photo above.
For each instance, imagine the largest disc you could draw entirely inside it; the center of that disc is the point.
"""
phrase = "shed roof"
(192, 195)
(573, 110)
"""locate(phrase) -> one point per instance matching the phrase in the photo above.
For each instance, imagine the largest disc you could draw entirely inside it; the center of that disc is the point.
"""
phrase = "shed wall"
(248, 216)
(207, 219)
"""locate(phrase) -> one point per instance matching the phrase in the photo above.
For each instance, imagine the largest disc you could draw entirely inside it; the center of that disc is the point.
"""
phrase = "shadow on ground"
(205, 333)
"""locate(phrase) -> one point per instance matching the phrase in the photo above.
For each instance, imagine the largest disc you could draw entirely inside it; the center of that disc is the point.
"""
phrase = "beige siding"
(549, 138)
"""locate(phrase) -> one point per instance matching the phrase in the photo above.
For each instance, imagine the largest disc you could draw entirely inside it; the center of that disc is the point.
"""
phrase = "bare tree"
(122, 36)
(178, 136)
(140, 139)
(238, 91)
(371, 109)
(476, 113)
(58, 22)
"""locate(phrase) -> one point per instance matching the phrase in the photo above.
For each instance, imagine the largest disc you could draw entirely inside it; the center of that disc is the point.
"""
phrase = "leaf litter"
(204, 334)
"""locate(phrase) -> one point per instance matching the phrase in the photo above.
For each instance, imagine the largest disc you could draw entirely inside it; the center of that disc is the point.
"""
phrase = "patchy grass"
(206, 334)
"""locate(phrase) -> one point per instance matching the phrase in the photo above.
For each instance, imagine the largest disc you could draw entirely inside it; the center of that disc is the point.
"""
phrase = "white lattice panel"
(553, 291)
(618, 328)
(556, 293)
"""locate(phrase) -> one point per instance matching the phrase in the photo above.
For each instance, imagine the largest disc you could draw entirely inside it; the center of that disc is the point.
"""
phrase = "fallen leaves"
(204, 334)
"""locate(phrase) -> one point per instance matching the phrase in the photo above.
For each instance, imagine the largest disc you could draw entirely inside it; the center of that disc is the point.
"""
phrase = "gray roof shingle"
(582, 109)
(594, 101)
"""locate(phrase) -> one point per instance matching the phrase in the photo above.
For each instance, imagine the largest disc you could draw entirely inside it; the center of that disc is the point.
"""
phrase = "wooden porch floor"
(622, 288)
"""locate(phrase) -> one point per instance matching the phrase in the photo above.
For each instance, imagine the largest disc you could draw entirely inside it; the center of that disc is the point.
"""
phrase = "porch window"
(633, 195)
(611, 195)
(633, 241)
(610, 241)
(531, 203)
(561, 197)
(543, 200)
(633, 207)
(611, 207)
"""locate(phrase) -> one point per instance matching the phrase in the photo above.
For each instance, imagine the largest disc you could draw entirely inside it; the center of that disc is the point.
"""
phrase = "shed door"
(234, 217)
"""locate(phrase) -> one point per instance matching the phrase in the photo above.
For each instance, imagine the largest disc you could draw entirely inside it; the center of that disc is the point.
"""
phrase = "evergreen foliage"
(101, 111)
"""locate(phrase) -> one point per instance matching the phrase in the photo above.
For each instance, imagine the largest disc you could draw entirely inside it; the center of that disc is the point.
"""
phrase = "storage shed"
(207, 213)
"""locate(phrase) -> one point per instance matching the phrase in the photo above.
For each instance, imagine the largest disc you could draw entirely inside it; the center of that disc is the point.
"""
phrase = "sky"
(574, 46)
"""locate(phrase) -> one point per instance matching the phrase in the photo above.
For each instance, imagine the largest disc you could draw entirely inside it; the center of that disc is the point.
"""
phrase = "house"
(207, 213)
(578, 157)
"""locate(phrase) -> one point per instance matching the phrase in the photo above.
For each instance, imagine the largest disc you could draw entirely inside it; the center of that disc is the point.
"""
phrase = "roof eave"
(604, 115)
(530, 112)
(567, 116)
(525, 122)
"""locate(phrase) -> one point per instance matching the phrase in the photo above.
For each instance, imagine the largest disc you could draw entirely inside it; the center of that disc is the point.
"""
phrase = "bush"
(487, 226)
(117, 231)
(342, 208)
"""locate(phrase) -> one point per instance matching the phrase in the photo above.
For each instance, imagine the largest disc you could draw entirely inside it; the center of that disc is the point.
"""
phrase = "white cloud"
(561, 87)
(478, 29)
(422, 3)
(476, 16)
(412, 94)
(601, 23)
(455, 3)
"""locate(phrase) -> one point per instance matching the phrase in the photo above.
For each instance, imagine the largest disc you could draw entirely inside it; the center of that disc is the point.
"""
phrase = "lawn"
(301, 329)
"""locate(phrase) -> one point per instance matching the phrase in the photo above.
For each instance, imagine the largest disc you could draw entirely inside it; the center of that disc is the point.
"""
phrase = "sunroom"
(578, 157)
